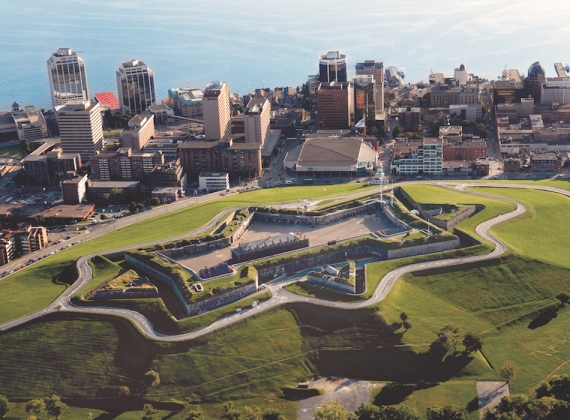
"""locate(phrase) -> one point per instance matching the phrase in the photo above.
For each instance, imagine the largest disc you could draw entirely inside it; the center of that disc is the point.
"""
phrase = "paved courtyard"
(319, 235)
(349, 392)
(490, 394)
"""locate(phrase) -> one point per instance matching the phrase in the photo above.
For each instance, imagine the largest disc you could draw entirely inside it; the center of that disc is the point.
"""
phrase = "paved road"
(279, 295)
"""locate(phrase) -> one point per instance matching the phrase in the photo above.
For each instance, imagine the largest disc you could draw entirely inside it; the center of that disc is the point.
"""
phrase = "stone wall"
(411, 251)
(429, 215)
(387, 211)
(239, 256)
(159, 276)
(197, 307)
(466, 237)
(117, 294)
(328, 281)
(222, 299)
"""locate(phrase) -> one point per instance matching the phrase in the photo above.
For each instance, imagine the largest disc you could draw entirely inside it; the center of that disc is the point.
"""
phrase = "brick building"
(511, 165)
(545, 162)
(238, 159)
(124, 165)
(467, 149)
(334, 110)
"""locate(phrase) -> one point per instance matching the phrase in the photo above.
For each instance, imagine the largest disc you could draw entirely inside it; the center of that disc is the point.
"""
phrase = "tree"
(445, 343)
(396, 131)
(54, 406)
(557, 387)
(472, 343)
(515, 403)
(407, 325)
(508, 371)
(273, 414)
(153, 378)
(333, 411)
(368, 412)
(132, 207)
(123, 391)
(3, 406)
(491, 414)
(394, 412)
(230, 412)
(154, 201)
(194, 415)
(449, 412)
(251, 414)
(563, 297)
(35, 407)
(25, 147)
(149, 412)
(404, 316)
(545, 406)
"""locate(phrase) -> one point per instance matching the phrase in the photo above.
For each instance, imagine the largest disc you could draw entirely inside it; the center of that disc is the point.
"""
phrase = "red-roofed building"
(108, 99)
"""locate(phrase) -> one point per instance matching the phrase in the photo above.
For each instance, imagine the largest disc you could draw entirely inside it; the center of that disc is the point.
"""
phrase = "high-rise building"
(217, 110)
(135, 86)
(138, 132)
(364, 97)
(332, 67)
(67, 78)
(533, 82)
(334, 108)
(80, 128)
(124, 165)
(376, 70)
(256, 120)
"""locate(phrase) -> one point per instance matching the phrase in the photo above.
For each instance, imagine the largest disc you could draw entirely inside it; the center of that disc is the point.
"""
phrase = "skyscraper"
(533, 82)
(135, 87)
(332, 67)
(67, 78)
(80, 128)
(256, 120)
(217, 111)
(375, 69)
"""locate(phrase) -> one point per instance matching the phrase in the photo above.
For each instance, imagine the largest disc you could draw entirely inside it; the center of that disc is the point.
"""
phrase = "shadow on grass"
(114, 407)
(544, 317)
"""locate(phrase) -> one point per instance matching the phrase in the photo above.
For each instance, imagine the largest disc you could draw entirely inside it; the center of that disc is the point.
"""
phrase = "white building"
(471, 112)
(461, 75)
(427, 159)
(135, 87)
(80, 128)
(217, 111)
(214, 181)
(67, 78)
(256, 120)
(556, 90)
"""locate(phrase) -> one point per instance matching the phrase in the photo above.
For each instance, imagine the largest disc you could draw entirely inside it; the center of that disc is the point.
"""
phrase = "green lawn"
(42, 278)
(431, 194)
(543, 231)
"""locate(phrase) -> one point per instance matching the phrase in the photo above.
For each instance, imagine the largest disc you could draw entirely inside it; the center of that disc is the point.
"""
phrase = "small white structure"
(331, 270)
(214, 181)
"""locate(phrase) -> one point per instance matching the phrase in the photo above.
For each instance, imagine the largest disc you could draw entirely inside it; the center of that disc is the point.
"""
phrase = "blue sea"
(255, 43)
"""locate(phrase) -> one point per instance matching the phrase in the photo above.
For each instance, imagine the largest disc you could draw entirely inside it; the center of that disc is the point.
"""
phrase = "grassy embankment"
(50, 277)
(253, 360)
(423, 194)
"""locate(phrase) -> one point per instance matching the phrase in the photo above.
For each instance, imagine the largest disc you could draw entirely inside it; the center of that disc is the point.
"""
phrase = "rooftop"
(108, 99)
(113, 184)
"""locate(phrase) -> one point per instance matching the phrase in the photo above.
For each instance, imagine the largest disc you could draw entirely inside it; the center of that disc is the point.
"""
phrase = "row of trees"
(50, 405)
(335, 411)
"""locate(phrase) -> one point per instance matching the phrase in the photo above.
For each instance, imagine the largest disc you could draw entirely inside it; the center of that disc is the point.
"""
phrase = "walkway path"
(279, 295)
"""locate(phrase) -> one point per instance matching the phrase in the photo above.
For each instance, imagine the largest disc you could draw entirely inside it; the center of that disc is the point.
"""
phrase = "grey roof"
(317, 152)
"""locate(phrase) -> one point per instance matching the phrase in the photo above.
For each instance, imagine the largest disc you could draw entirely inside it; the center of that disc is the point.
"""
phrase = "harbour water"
(256, 43)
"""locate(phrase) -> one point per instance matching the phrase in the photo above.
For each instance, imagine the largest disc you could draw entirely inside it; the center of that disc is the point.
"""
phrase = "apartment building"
(334, 105)
(124, 165)
(80, 128)
(217, 111)
(256, 120)
(138, 132)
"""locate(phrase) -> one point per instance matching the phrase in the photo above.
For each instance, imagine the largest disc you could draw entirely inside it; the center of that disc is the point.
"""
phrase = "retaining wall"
(411, 251)
(328, 281)
(204, 305)
(116, 294)
(429, 215)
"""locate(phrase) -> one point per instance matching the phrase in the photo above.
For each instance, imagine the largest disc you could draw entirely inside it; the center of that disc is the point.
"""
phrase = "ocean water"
(255, 43)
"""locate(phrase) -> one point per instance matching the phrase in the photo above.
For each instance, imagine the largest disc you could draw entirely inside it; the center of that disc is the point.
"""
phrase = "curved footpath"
(280, 295)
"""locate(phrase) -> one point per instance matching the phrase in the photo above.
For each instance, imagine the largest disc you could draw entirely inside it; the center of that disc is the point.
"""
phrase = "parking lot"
(320, 235)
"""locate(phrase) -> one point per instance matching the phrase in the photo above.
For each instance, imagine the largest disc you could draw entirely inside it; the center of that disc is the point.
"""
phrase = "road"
(279, 294)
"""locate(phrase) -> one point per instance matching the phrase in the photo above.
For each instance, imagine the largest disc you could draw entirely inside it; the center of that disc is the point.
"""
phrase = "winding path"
(279, 294)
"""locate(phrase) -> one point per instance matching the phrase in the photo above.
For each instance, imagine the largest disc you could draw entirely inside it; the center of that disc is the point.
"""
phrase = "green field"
(543, 231)
(509, 301)
(431, 194)
(49, 278)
